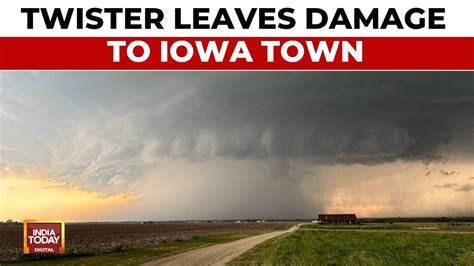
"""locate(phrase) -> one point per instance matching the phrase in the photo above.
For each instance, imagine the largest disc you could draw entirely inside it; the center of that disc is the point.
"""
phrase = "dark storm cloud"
(247, 144)
(105, 126)
(336, 117)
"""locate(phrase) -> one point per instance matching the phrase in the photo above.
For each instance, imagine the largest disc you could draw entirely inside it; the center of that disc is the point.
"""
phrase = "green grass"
(139, 255)
(352, 247)
(425, 226)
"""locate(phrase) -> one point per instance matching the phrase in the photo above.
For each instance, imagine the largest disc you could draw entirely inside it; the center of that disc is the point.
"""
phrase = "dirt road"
(218, 254)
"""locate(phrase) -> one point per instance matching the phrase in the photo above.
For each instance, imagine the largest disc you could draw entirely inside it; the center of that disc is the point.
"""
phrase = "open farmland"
(84, 238)
(414, 226)
(373, 244)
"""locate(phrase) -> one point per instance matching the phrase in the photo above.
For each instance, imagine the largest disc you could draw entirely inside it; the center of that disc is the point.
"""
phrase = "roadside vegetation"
(382, 244)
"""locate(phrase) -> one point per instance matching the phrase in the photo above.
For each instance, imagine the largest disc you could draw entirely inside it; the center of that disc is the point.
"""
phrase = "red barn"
(337, 218)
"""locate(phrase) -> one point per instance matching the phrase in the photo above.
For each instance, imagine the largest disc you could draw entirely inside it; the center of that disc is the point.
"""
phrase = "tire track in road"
(219, 254)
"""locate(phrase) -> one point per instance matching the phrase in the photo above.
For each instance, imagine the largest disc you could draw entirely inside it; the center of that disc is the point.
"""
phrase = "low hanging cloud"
(365, 118)
(446, 185)
(456, 187)
(465, 188)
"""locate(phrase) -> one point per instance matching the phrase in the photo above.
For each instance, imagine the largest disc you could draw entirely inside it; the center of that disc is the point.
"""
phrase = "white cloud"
(117, 180)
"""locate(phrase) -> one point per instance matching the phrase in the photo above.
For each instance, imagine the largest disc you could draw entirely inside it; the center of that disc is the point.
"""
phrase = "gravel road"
(219, 254)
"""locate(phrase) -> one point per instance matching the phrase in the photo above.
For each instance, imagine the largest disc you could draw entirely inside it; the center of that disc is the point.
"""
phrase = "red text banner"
(235, 53)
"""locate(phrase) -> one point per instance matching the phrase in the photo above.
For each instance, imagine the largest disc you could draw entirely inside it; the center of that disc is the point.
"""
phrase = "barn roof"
(329, 217)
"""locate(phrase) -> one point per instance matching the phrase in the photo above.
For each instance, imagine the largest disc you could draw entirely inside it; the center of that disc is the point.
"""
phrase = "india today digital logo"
(43, 237)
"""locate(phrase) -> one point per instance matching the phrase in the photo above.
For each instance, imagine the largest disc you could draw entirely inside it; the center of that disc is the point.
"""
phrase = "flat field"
(96, 238)
(380, 244)
(411, 226)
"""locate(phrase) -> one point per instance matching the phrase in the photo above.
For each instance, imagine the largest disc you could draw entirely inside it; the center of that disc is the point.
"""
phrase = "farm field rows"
(93, 238)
